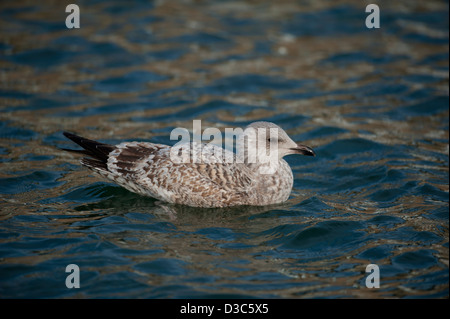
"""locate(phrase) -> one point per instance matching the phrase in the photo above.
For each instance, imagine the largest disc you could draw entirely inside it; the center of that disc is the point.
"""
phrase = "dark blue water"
(372, 103)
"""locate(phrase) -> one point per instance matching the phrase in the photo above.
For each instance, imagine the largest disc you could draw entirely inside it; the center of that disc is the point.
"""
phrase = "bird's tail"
(98, 152)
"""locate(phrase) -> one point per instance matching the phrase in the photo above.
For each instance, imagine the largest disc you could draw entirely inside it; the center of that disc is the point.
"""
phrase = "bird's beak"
(303, 150)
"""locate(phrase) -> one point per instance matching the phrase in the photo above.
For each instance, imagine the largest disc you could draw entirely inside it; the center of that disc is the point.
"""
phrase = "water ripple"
(373, 104)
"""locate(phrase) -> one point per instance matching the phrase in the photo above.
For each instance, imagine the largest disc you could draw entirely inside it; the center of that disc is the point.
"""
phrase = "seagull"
(256, 176)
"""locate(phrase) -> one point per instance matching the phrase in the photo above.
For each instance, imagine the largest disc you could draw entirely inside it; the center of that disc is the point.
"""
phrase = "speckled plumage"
(213, 180)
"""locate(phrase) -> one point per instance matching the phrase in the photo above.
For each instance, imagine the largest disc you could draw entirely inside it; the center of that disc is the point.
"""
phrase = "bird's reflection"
(119, 201)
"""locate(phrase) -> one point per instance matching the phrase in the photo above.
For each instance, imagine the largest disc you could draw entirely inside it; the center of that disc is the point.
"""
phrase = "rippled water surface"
(373, 103)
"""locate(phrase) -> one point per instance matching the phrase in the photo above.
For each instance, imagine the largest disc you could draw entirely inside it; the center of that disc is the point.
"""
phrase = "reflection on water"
(372, 103)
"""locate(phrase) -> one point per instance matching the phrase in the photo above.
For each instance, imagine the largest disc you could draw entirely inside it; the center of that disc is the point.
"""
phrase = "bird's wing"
(203, 173)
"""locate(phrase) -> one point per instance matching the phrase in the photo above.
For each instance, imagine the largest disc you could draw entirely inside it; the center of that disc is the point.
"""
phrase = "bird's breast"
(272, 188)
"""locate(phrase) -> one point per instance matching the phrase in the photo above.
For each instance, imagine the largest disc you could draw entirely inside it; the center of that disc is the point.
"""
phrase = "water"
(373, 104)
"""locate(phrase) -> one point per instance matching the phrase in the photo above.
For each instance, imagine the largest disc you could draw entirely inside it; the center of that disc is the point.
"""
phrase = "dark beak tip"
(310, 153)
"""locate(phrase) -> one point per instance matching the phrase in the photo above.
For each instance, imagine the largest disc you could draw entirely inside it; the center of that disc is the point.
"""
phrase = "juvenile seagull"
(261, 177)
